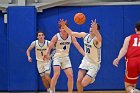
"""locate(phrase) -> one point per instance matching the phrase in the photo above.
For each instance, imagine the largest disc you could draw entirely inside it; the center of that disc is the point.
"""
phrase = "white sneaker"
(136, 91)
(52, 91)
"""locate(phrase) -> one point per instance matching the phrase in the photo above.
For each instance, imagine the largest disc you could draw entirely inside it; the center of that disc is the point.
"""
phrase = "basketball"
(79, 18)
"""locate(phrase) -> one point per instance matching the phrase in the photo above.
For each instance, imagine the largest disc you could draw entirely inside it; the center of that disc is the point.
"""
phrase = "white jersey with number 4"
(40, 49)
(92, 52)
(62, 46)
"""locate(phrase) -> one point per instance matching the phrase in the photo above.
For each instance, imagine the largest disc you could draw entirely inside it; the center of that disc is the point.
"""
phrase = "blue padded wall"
(21, 32)
(3, 55)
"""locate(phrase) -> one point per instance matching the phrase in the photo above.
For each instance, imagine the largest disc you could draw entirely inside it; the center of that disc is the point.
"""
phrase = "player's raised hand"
(62, 22)
(116, 62)
(94, 24)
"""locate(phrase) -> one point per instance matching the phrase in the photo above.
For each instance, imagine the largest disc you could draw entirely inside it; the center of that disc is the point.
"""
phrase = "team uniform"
(92, 59)
(133, 59)
(61, 56)
(43, 66)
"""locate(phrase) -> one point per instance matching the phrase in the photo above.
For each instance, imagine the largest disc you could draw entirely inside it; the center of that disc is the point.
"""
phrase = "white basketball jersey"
(40, 49)
(92, 53)
(62, 46)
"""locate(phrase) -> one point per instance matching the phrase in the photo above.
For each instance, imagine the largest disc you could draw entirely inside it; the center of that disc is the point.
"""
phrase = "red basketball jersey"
(134, 46)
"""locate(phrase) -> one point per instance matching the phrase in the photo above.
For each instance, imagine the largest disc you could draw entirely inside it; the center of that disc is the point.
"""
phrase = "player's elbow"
(123, 50)
(27, 52)
(99, 40)
(71, 34)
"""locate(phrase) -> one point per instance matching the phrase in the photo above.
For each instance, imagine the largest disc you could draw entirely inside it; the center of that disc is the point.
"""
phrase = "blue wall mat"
(21, 32)
(3, 55)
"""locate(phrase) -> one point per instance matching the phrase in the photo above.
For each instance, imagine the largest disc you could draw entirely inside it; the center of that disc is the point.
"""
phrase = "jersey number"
(41, 53)
(64, 47)
(87, 50)
(136, 42)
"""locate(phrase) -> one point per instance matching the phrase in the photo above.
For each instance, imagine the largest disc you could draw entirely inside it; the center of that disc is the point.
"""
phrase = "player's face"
(62, 31)
(91, 31)
(40, 36)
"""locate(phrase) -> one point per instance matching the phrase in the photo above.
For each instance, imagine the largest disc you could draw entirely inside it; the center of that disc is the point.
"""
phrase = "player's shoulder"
(54, 38)
(131, 36)
(33, 42)
(84, 34)
(47, 40)
(127, 39)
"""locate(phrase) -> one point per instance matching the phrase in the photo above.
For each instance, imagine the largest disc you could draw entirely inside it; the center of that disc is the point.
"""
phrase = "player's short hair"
(39, 31)
(60, 25)
(137, 26)
(98, 26)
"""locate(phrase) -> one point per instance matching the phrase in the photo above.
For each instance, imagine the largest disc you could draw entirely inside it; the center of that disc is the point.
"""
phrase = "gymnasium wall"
(3, 54)
(21, 31)
(17, 74)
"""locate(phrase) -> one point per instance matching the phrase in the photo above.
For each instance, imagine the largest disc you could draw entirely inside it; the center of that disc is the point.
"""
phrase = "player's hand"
(94, 25)
(49, 57)
(116, 62)
(29, 59)
(62, 22)
(45, 57)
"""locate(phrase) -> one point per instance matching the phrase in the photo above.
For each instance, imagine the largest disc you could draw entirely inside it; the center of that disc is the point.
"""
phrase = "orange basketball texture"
(79, 18)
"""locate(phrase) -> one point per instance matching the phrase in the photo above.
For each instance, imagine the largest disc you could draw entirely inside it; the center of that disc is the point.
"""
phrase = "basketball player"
(43, 66)
(91, 61)
(62, 42)
(131, 49)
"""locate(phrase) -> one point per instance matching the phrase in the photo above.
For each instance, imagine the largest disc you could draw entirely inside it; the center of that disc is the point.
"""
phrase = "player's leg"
(55, 77)
(131, 88)
(47, 70)
(131, 75)
(56, 73)
(90, 75)
(81, 74)
(87, 80)
(67, 68)
(44, 70)
(46, 80)
(69, 74)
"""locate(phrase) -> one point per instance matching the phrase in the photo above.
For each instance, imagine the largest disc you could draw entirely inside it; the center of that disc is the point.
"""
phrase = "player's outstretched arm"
(51, 45)
(69, 31)
(77, 45)
(122, 52)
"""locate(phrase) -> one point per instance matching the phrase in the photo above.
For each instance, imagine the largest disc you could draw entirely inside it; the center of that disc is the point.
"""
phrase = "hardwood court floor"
(93, 92)
(73, 92)
(98, 92)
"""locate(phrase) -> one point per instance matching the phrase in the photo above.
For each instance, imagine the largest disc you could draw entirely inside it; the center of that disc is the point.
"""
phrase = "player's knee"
(84, 83)
(47, 77)
(56, 75)
(70, 76)
(79, 80)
